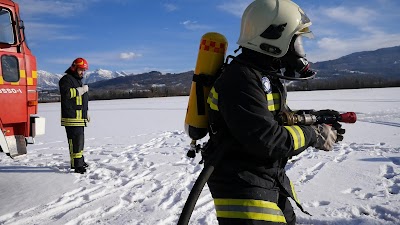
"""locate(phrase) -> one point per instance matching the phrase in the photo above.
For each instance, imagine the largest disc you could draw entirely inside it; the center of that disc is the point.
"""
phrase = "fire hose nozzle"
(349, 117)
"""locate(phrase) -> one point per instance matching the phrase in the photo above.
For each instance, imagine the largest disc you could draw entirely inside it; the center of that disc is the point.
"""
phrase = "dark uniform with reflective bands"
(249, 185)
(73, 116)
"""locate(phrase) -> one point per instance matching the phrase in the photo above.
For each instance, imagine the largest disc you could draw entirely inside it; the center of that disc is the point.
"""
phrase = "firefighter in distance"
(74, 111)
(250, 185)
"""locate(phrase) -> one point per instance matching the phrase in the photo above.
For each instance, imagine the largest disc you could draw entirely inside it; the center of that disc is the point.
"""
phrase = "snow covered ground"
(139, 173)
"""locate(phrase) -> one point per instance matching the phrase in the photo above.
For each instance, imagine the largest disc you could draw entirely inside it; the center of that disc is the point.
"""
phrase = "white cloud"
(354, 16)
(333, 48)
(58, 8)
(235, 7)
(344, 30)
(48, 31)
(170, 7)
(129, 55)
(97, 59)
(193, 25)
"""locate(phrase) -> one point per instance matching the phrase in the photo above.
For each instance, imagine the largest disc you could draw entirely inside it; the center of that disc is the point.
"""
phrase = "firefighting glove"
(88, 118)
(327, 116)
(82, 90)
(340, 131)
(326, 137)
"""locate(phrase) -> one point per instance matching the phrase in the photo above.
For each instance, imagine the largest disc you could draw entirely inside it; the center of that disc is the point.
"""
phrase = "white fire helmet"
(268, 26)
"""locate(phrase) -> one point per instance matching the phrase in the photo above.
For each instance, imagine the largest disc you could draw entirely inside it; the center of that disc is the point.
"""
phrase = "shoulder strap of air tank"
(203, 80)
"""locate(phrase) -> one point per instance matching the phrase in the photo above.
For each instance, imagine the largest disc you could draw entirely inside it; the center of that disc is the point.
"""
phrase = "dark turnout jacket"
(74, 108)
(243, 107)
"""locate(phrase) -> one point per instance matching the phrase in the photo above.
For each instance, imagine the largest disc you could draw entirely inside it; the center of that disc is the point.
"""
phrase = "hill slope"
(382, 63)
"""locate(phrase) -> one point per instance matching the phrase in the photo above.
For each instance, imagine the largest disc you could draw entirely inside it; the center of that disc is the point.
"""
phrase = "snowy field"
(139, 173)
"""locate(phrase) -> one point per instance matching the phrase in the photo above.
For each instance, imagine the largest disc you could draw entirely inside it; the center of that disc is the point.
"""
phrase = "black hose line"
(198, 187)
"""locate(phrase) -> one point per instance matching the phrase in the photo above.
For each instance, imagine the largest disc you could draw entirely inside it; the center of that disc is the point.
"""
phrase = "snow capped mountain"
(101, 74)
(48, 81)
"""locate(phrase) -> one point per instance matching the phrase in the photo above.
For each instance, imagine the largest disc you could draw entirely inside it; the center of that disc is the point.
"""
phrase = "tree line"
(345, 82)
(339, 82)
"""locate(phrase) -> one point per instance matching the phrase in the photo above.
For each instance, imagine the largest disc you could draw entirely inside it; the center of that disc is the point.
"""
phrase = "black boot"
(85, 164)
(80, 170)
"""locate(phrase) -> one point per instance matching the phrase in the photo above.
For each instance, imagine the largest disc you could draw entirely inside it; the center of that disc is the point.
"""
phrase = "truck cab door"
(14, 117)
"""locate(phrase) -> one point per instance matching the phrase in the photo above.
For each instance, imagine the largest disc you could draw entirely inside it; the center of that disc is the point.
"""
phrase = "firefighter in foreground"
(74, 111)
(250, 186)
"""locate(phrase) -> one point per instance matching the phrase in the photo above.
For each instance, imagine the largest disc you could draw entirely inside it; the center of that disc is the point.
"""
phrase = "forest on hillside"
(161, 90)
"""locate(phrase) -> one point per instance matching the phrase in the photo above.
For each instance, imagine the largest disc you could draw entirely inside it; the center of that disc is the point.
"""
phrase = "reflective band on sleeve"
(212, 99)
(72, 92)
(273, 100)
(78, 100)
(297, 135)
(249, 209)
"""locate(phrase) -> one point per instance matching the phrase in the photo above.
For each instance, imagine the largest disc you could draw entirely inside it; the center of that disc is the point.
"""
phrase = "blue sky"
(143, 35)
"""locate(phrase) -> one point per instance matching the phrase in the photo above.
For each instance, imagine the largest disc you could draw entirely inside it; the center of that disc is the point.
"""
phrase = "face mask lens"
(298, 47)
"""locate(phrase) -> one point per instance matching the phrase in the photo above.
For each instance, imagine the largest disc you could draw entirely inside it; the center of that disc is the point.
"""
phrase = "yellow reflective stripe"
(73, 124)
(69, 122)
(79, 114)
(212, 99)
(72, 92)
(71, 151)
(297, 135)
(77, 155)
(294, 193)
(78, 100)
(273, 101)
(72, 120)
(249, 209)
(302, 137)
(70, 146)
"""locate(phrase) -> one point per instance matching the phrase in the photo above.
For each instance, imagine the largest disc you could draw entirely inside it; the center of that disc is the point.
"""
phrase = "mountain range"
(49, 81)
(383, 62)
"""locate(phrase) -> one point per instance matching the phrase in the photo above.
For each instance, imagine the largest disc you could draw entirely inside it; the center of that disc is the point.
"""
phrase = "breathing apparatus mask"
(294, 60)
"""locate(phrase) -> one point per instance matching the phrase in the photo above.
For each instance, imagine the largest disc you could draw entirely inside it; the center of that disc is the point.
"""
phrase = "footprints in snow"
(311, 172)
(358, 193)
(390, 179)
(122, 178)
(315, 204)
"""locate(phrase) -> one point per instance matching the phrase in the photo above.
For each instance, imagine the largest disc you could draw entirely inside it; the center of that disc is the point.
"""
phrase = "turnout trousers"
(253, 209)
(76, 139)
(242, 198)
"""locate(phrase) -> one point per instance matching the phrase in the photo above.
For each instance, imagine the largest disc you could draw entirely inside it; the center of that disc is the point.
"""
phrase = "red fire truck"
(19, 123)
